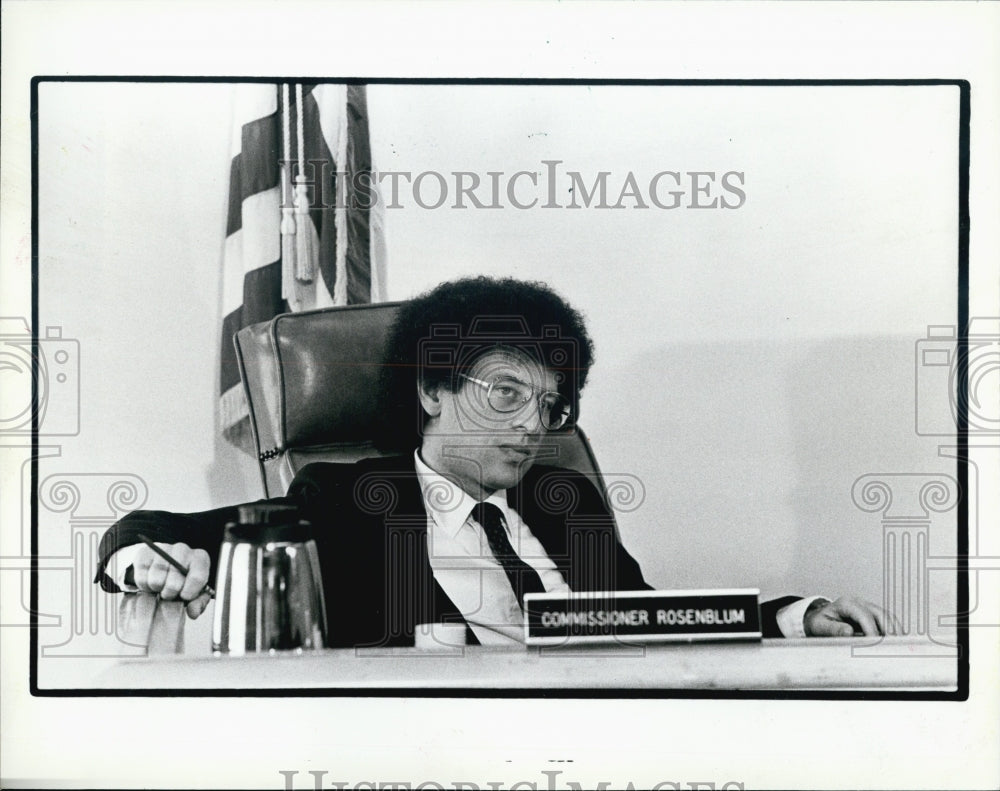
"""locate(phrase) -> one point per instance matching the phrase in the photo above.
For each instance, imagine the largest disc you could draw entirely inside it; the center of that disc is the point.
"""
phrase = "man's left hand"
(847, 616)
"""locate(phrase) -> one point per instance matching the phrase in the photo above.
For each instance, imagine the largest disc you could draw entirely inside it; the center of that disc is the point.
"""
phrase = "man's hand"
(847, 616)
(154, 574)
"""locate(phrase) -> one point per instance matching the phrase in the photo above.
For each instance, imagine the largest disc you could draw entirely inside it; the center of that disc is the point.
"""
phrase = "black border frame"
(962, 444)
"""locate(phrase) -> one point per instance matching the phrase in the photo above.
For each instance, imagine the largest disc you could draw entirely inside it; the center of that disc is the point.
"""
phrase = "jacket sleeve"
(199, 531)
(311, 491)
(769, 614)
(203, 530)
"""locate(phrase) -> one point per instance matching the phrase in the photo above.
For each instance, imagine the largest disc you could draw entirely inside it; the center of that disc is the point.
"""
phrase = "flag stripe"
(255, 168)
(377, 252)
(261, 301)
(359, 163)
(317, 151)
(340, 214)
(261, 229)
(229, 369)
(234, 220)
(330, 101)
(232, 273)
(262, 294)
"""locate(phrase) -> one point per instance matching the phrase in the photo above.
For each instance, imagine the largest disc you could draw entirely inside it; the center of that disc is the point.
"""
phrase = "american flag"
(304, 228)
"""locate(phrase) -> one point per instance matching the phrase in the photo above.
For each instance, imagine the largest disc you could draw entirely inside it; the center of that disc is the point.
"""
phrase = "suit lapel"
(548, 525)
(413, 596)
(569, 519)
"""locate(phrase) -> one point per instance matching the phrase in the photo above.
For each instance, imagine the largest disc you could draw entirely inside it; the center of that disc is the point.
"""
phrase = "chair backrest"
(311, 379)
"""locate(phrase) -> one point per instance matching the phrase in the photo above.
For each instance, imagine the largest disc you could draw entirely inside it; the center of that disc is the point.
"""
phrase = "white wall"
(133, 188)
(752, 363)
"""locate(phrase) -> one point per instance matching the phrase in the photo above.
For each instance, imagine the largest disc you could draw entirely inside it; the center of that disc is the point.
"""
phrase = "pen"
(148, 542)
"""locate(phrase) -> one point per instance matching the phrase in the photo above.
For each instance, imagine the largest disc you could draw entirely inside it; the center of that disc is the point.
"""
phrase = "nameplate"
(642, 616)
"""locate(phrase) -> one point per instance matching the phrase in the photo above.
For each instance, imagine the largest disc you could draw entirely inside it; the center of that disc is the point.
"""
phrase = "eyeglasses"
(506, 394)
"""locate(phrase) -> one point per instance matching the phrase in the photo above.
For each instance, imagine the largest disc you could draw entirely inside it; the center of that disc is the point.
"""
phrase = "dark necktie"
(523, 578)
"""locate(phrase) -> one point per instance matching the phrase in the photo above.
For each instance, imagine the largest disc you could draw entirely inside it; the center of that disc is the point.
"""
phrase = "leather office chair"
(310, 380)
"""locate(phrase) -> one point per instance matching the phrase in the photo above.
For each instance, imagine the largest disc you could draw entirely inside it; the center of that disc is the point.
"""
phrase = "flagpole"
(288, 228)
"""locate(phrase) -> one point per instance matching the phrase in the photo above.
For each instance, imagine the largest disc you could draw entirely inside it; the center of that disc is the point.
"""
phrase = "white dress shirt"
(464, 565)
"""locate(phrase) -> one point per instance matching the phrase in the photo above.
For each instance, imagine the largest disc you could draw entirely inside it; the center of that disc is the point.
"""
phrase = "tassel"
(306, 254)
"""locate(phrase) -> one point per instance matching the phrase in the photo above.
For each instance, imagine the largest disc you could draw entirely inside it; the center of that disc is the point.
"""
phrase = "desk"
(769, 665)
(908, 664)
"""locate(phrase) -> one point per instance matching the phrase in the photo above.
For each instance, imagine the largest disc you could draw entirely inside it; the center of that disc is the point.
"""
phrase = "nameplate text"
(642, 616)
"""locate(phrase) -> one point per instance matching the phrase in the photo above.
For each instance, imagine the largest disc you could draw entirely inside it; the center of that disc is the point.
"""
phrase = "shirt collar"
(448, 504)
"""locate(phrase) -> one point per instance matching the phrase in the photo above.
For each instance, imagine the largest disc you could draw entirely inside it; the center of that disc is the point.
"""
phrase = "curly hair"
(440, 334)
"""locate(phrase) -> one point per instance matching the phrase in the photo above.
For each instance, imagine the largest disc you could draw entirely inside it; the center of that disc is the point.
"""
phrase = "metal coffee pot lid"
(268, 522)
(267, 514)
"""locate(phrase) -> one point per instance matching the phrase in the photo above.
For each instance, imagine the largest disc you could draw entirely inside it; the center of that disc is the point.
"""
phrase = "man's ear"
(430, 397)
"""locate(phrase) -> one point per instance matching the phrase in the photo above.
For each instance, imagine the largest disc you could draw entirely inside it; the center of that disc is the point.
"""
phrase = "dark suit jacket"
(370, 529)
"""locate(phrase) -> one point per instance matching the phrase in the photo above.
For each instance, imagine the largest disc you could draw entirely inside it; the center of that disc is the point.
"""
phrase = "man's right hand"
(152, 573)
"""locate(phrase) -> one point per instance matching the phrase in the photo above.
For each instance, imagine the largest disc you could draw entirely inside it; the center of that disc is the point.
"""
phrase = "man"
(453, 532)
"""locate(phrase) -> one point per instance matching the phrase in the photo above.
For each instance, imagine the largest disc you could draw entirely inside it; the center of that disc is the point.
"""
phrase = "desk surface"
(179, 658)
(834, 664)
